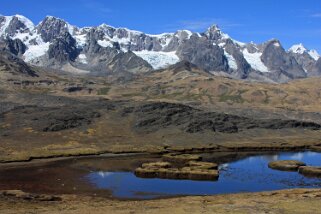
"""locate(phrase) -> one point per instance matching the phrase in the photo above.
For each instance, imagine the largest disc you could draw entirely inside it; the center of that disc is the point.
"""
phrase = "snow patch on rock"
(81, 40)
(35, 51)
(299, 49)
(27, 22)
(231, 61)
(5, 25)
(82, 59)
(158, 59)
(254, 59)
(314, 54)
(277, 44)
(105, 43)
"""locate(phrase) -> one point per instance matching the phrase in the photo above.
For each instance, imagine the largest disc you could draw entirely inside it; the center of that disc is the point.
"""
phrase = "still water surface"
(250, 174)
(113, 176)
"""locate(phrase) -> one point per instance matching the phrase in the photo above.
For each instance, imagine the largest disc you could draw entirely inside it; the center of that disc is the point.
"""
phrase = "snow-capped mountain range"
(105, 50)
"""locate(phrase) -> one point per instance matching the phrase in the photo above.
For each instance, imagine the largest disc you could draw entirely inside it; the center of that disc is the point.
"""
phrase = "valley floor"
(287, 201)
(47, 119)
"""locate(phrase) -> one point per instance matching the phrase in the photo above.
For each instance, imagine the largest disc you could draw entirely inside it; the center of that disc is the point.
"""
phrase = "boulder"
(202, 165)
(18, 194)
(315, 148)
(192, 171)
(286, 165)
(187, 173)
(157, 165)
(181, 158)
(310, 171)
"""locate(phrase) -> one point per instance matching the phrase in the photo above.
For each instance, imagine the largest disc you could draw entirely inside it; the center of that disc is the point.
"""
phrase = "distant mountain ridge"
(105, 50)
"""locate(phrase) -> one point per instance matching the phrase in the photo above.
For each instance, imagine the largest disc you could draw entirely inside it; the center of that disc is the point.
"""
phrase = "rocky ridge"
(106, 50)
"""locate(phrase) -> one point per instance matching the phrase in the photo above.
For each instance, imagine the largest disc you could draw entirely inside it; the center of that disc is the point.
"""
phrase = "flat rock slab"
(181, 158)
(202, 165)
(186, 173)
(310, 170)
(286, 165)
(157, 165)
(192, 170)
(315, 148)
(18, 194)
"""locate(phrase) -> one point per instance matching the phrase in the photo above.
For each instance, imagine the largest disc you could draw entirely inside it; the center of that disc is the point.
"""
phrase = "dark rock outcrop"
(155, 116)
(286, 165)
(63, 49)
(107, 50)
(243, 67)
(128, 62)
(316, 69)
(16, 46)
(67, 119)
(203, 53)
(13, 64)
(15, 25)
(310, 171)
(280, 63)
(51, 28)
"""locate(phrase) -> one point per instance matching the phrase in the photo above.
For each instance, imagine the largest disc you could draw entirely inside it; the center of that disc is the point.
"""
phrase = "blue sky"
(291, 21)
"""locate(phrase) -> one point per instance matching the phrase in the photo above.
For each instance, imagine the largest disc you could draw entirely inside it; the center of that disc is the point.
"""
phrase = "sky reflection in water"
(247, 175)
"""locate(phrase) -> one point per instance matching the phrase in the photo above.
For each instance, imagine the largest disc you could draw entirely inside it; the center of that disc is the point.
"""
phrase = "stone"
(310, 171)
(157, 165)
(181, 158)
(187, 173)
(286, 165)
(315, 148)
(192, 171)
(202, 165)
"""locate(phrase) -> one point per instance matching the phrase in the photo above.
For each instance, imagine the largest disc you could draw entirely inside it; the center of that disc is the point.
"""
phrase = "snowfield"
(254, 59)
(105, 43)
(158, 59)
(300, 49)
(5, 25)
(314, 54)
(231, 61)
(35, 51)
(82, 59)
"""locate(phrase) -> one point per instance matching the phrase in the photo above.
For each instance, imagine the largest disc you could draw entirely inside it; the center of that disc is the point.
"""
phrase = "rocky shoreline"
(272, 147)
(285, 201)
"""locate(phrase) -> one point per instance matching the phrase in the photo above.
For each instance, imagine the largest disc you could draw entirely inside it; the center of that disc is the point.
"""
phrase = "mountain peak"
(298, 48)
(104, 25)
(11, 25)
(213, 28)
(212, 50)
(215, 33)
(53, 19)
(274, 42)
(51, 27)
(48, 17)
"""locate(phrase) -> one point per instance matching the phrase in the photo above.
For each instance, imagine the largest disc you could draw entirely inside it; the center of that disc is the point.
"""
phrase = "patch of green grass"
(210, 99)
(169, 95)
(194, 96)
(132, 95)
(267, 98)
(235, 98)
(103, 91)
(242, 91)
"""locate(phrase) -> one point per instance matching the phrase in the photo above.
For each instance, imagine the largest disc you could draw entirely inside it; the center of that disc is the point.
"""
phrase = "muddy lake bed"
(113, 176)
